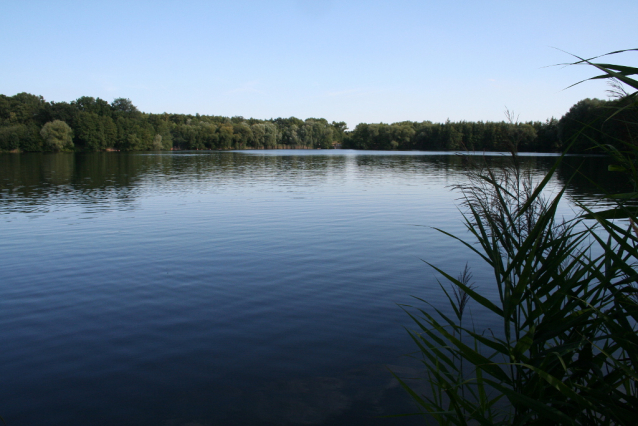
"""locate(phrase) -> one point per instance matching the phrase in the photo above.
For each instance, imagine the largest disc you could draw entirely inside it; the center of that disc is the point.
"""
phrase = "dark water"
(226, 287)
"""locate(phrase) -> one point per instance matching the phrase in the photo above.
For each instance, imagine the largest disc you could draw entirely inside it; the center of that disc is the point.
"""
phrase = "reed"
(566, 352)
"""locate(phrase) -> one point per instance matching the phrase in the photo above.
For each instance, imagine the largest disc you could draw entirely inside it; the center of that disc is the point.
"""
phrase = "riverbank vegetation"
(566, 301)
(97, 125)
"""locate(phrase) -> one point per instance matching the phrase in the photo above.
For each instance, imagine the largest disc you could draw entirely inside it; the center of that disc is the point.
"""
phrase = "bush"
(57, 135)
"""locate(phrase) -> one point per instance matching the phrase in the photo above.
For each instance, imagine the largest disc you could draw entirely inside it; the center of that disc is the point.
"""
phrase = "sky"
(353, 61)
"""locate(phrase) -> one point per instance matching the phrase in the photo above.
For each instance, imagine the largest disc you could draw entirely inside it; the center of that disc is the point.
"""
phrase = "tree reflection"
(40, 181)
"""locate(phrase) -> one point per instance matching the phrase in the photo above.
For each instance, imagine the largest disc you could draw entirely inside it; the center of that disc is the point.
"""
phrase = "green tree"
(243, 135)
(62, 111)
(157, 143)
(97, 106)
(363, 136)
(290, 135)
(26, 107)
(21, 137)
(259, 134)
(164, 129)
(226, 136)
(452, 137)
(94, 132)
(5, 109)
(271, 135)
(125, 106)
(339, 130)
(31, 141)
(57, 136)
(547, 139)
(582, 123)
(10, 137)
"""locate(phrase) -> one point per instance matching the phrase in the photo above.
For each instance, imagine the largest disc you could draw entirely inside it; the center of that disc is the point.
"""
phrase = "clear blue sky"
(353, 61)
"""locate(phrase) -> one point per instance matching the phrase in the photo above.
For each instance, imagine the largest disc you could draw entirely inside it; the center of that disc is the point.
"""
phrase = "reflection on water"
(252, 288)
(588, 180)
(39, 182)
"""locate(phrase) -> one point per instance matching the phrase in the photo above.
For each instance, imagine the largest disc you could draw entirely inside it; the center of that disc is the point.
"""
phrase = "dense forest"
(28, 123)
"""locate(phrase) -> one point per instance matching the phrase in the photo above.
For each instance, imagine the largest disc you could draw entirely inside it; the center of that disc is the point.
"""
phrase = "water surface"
(225, 287)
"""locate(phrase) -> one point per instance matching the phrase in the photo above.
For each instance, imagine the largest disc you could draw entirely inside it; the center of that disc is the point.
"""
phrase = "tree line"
(28, 123)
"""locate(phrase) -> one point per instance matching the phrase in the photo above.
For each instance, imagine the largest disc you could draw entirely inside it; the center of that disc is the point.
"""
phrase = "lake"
(249, 287)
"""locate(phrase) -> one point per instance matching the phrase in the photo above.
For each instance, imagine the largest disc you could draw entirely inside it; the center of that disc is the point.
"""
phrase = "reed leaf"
(567, 350)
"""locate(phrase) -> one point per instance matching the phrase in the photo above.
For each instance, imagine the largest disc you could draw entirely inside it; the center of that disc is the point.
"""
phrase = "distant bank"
(28, 123)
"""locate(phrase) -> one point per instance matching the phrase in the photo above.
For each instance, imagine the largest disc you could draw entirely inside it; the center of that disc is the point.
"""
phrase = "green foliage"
(57, 136)
(572, 124)
(10, 137)
(566, 352)
(20, 137)
(450, 136)
(124, 107)
(157, 143)
(243, 135)
(592, 123)
(622, 147)
(94, 132)
(25, 108)
(96, 106)
(98, 126)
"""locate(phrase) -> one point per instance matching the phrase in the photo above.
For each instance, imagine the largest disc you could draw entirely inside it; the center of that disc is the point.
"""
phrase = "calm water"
(223, 287)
